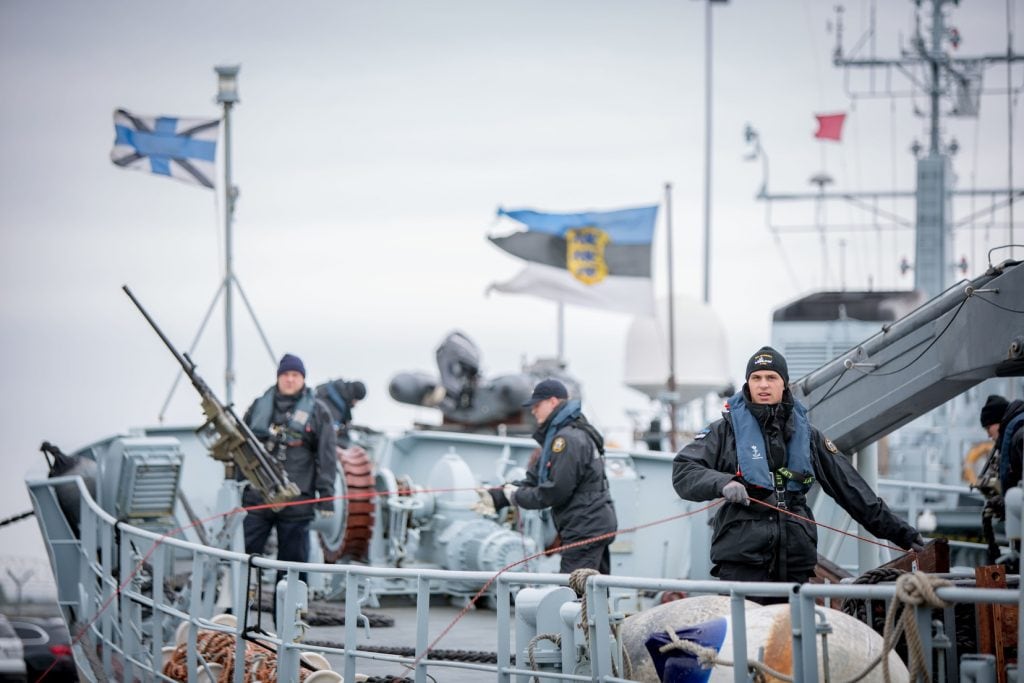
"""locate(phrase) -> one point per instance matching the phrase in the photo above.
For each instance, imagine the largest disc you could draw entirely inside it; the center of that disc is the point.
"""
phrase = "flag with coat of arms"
(182, 148)
(597, 258)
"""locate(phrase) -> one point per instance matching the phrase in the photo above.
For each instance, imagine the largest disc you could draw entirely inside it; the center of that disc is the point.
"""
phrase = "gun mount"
(228, 438)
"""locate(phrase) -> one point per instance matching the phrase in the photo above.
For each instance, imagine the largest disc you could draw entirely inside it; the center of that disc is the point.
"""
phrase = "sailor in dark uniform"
(298, 430)
(568, 477)
(341, 397)
(765, 447)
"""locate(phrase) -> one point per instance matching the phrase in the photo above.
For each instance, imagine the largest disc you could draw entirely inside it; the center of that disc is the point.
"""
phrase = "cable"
(612, 534)
(826, 526)
(999, 306)
(872, 373)
(818, 402)
(16, 518)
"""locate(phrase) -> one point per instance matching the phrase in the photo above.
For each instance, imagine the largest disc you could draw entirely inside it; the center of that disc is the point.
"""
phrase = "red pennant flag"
(830, 126)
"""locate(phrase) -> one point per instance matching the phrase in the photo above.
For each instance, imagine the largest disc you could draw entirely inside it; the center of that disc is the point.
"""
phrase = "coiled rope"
(216, 647)
(532, 645)
(912, 590)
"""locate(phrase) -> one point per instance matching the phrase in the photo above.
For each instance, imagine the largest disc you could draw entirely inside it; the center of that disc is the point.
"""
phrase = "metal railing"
(117, 599)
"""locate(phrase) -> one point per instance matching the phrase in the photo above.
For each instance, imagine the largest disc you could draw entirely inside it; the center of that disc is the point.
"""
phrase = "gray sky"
(372, 146)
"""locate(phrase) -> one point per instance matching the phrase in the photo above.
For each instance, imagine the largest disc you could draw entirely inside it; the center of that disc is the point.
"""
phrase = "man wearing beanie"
(1003, 420)
(341, 397)
(296, 428)
(1000, 422)
(765, 448)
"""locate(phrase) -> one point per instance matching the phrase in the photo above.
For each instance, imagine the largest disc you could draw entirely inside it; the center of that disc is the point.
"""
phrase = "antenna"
(946, 76)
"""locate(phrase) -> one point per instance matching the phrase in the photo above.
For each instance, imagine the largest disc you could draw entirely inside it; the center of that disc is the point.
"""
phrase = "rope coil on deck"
(216, 647)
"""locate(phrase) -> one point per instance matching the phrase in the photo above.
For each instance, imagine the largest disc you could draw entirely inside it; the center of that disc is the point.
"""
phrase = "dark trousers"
(292, 537)
(590, 556)
(728, 571)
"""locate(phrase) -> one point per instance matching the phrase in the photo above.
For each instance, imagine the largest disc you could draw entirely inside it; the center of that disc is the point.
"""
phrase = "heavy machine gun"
(228, 438)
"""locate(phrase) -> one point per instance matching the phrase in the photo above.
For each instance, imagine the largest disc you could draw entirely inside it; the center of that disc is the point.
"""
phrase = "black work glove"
(499, 498)
(917, 544)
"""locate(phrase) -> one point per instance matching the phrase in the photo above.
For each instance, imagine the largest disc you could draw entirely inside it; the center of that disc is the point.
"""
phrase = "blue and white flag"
(166, 145)
(599, 258)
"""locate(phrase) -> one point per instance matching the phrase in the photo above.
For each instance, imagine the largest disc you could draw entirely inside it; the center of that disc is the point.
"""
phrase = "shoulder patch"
(558, 445)
(829, 446)
(702, 433)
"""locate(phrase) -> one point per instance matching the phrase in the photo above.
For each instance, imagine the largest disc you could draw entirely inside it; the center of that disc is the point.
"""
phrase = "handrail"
(129, 648)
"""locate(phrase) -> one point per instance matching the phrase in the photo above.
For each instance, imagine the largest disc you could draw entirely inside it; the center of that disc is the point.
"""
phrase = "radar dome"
(701, 355)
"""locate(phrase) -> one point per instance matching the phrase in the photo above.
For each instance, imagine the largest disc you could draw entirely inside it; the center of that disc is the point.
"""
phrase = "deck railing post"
(422, 626)
(504, 630)
(598, 623)
(809, 642)
(739, 637)
(351, 623)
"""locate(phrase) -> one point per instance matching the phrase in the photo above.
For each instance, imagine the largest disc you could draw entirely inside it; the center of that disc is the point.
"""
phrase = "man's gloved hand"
(326, 514)
(484, 506)
(499, 498)
(735, 492)
(917, 544)
(508, 490)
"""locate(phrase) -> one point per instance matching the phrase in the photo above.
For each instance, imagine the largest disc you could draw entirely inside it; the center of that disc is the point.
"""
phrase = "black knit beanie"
(768, 358)
(993, 411)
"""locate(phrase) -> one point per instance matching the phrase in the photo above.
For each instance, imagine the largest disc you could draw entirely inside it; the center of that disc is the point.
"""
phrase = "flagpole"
(672, 403)
(561, 333)
(227, 95)
(707, 150)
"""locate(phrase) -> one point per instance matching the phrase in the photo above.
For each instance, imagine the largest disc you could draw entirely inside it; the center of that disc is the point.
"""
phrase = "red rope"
(830, 528)
(549, 551)
(373, 494)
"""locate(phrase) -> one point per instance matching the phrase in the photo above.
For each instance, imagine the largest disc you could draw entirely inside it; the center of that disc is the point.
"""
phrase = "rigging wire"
(918, 357)
(1009, 109)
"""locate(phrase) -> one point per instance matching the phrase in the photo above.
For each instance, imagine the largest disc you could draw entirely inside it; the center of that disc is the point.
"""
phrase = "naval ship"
(143, 535)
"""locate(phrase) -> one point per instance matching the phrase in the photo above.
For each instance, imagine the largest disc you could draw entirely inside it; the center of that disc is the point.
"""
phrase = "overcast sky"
(372, 146)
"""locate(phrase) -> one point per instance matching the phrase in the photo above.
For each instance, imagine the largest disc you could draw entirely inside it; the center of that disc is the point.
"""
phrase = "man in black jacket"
(341, 397)
(764, 447)
(1004, 422)
(297, 429)
(567, 477)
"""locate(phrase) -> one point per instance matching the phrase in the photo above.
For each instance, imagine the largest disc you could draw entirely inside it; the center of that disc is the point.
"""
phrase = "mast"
(673, 397)
(227, 95)
(933, 250)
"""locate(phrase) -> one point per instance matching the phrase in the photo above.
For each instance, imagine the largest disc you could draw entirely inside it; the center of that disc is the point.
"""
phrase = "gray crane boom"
(971, 332)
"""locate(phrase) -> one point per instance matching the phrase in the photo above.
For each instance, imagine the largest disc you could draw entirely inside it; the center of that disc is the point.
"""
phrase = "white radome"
(702, 358)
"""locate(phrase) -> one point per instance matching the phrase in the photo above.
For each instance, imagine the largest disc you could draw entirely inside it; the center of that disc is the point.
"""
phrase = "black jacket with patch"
(750, 534)
(311, 462)
(576, 488)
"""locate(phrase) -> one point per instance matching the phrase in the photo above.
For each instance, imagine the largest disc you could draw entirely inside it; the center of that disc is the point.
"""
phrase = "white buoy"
(316, 660)
(229, 620)
(181, 635)
(769, 635)
(209, 673)
(637, 627)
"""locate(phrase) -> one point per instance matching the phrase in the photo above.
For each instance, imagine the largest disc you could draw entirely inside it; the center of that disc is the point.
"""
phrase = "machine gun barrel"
(228, 438)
